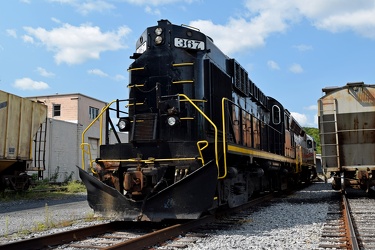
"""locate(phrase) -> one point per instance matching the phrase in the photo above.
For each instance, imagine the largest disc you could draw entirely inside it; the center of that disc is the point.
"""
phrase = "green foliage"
(75, 187)
(68, 178)
(314, 132)
(41, 184)
(55, 175)
(45, 190)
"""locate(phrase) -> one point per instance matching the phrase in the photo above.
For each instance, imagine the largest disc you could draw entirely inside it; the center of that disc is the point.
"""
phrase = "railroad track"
(125, 235)
(113, 235)
(363, 217)
(350, 223)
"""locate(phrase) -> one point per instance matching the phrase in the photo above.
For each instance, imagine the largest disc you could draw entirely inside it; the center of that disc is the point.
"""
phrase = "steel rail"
(46, 241)
(160, 236)
(165, 234)
(349, 227)
(147, 240)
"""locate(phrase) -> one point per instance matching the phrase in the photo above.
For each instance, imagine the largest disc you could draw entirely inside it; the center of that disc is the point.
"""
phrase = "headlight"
(158, 31)
(158, 40)
(172, 121)
(123, 124)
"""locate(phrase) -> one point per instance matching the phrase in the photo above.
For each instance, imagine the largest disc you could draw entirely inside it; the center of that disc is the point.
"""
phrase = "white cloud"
(85, 7)
(64, 1)
(149, 10)
(341, 15)
(27, 39)
(91, 6)
(273, 65)
(100, 73)
(239, 40)
(119, 77)
(306, 120)
(157, 2)
(12, 33)
(296, 68)
(55, 20)
(260, 19)
(312, 107)
(29, 84)
(77, 44)
(303, 47)
(97, 72)
(44, 72)
(300, 118)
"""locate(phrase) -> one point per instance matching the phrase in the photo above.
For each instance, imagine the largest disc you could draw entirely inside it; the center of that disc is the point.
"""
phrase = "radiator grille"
(144, 127)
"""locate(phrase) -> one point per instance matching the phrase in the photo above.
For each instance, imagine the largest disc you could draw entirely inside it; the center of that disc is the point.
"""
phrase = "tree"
(314, 133)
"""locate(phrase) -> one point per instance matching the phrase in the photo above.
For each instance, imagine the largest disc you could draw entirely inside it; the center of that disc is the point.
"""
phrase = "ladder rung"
(325, 121)
(328, 133)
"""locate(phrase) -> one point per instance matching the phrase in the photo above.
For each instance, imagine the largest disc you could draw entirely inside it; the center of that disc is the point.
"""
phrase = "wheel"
(342, 182)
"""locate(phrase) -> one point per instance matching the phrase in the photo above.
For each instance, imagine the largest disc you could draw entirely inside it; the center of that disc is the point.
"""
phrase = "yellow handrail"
(136, 85)
(132, 104)
(89, 153)
(183, 64)
(83, 137)
(200, 149)
(101, 128)
(224, 135)
(194, 100)
(213, 124)
(141, 68)
(183, 81)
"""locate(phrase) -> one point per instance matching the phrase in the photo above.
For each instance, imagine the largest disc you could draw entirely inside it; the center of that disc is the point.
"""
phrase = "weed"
(90, 217)
(75, 187)
(6, 226)
(39, 226)
(55, 175)
(68, 178)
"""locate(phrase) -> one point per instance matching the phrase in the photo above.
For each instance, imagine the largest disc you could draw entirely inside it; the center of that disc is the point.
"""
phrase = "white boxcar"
(347, 133)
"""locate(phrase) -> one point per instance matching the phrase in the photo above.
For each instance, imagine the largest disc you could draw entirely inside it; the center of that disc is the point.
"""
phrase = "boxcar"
(347, 134)
(20, 120)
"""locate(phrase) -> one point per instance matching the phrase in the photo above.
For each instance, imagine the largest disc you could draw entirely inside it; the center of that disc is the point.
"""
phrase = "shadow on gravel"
(19, 205)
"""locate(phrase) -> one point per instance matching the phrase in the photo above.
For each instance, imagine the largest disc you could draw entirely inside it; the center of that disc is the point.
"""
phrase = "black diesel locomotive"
(201, 134)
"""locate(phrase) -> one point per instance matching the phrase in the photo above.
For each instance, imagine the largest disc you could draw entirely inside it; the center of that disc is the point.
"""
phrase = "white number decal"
(188, 44)
(142, 48)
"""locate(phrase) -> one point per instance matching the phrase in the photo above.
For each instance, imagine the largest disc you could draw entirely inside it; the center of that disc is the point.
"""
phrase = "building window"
(56, 109)
(93, 112)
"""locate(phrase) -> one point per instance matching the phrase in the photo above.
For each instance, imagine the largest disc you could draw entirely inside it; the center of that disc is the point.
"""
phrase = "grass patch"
(44, 190)
(75, 187)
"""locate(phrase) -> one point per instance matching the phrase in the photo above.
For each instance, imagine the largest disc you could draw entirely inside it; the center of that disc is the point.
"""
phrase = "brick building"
(68, 116)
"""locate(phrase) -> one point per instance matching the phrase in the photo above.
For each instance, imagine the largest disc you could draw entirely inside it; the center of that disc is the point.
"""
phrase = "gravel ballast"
(287, 223)
(295, 222)
(27, 218)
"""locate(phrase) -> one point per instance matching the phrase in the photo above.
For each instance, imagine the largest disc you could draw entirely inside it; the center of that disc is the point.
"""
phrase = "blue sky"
(291, 49)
